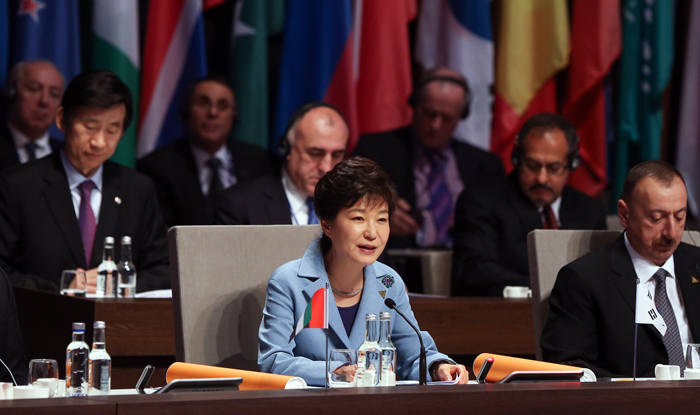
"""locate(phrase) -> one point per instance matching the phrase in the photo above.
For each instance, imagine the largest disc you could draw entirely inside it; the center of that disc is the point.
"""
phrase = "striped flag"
(115, 43)
(458, 35)
(596, 44)
(174, 57)
(315, 315)
(533, 45)
(646, 311)
(688, 150)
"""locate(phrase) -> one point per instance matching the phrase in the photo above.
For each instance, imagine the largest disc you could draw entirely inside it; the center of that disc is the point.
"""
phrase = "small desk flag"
(646, 312)
(316, 314)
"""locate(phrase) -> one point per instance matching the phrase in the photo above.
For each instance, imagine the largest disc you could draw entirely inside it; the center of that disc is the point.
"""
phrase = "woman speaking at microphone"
(353, 202)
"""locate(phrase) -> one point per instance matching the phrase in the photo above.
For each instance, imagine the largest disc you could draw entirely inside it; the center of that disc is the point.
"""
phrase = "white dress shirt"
(75, 178)
(555, 208)
(298, 209)
(43, 147)
(645, 271)
(226, 175)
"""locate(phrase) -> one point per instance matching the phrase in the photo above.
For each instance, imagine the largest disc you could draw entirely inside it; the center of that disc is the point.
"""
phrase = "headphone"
(414, 98)
(283, 144)
(574, 157)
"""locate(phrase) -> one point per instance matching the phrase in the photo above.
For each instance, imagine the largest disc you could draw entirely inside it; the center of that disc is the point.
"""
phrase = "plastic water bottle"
(369, 355)
(388, 375)
(107, 271)
(77, 354)
(100, 362)
(126, 287)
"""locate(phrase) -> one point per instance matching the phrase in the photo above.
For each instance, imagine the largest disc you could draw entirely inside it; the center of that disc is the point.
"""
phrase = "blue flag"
(48, 30)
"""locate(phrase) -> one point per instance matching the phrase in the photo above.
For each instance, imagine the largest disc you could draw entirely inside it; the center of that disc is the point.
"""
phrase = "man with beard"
(591, 318)
(492, 221)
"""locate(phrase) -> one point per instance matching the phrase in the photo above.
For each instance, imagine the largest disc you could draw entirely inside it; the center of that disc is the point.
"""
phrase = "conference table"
(524, 398)
(141, 331)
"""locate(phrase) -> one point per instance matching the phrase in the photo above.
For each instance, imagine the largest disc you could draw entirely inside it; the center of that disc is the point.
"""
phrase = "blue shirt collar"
(75, 177)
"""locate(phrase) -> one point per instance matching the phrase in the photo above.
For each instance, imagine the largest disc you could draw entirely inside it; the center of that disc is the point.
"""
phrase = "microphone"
(423, 358)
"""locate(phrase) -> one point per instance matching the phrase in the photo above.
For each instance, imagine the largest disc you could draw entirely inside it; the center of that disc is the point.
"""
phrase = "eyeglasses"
(221, 105)
(555, 169)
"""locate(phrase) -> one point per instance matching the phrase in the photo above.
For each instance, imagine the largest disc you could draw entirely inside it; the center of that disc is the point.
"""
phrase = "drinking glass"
(692, 356)
(73, 283)
(341, 368)
(44, 372)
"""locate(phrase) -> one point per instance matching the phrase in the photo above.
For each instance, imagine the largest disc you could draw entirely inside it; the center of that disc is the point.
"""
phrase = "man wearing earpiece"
(429, 166)
(31, 96)
(313, 143)
(492, 221)
(191, 171)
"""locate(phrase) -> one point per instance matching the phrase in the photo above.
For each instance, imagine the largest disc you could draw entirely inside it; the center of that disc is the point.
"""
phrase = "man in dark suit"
(32, 96)
(591, 319)
(11, 345)
(191, 171)
(56, 212)
(314, 142)
(492, 221)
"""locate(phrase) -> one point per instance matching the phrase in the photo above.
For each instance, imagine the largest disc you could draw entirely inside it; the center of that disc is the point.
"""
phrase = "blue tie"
(313, 219)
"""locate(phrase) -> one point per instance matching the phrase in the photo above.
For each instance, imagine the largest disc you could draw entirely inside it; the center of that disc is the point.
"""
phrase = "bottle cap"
(385, 315)
(109, 240)
(126, 239)
(78, 326)
(371, 317)
(99, 324)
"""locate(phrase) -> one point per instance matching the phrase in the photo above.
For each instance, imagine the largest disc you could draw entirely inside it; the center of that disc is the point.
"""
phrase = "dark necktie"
(672, 338)
(441, 205)
(31, 150)
(86, 219)
(550, 221)
(215, 185)
(313, 219)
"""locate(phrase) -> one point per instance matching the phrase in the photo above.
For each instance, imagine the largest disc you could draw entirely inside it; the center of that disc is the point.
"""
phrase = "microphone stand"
(422, 366)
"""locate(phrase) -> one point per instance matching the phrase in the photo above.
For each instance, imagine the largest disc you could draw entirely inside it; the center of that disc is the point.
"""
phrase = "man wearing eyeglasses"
(191, 171)
(492, 221)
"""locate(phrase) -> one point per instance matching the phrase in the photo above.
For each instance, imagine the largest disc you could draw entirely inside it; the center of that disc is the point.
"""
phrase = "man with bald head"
(591, 319)
(313, 143)
(32, 95)
(428, 165)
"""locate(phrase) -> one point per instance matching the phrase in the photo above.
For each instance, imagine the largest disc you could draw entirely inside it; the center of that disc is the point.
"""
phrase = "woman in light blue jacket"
(353, 202)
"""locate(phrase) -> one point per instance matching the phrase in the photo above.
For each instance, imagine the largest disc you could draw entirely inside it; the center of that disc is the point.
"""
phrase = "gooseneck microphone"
(423, 359)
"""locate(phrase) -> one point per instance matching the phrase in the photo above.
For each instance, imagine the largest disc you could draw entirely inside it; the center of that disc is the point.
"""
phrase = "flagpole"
(325, 311)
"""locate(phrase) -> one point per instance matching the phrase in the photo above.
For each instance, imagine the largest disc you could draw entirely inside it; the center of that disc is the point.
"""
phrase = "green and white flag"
(253, 22)
(115, 46)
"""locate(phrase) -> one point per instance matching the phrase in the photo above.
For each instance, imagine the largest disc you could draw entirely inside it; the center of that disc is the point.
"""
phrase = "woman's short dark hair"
(97, 89)
(351, 180)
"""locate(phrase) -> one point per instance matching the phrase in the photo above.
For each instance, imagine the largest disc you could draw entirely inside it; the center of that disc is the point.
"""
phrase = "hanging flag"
(174, 57)
(316, 314)
(48, 30)
(115, 46)
(645, 310)
(595, 45)
(253, 22)
(4, 45)
(317, 60)
(645, 68)
(384, 78)
(458, 35)
(533, 45)
(688, 145)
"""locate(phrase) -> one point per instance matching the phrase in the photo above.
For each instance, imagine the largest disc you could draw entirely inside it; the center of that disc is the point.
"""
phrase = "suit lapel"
(686, 270)
(277, 206)
(625, 278)
(112, 198)
(527, 211)
(58, 199)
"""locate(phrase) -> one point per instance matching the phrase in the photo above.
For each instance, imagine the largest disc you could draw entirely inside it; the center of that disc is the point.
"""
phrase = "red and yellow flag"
(316, 314)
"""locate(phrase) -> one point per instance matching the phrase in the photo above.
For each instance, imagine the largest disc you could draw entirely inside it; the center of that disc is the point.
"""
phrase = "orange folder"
(505, 365)
(251, 380)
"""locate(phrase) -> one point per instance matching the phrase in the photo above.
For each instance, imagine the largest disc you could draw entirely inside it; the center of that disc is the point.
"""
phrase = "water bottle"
(77, 354)
(126, 287)
(107, 272)
(388, 350)
(100, 362)
(369, 355)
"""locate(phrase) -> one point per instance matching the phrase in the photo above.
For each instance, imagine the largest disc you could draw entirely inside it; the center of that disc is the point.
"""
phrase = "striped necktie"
(672, 338)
